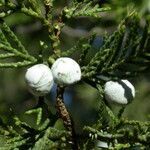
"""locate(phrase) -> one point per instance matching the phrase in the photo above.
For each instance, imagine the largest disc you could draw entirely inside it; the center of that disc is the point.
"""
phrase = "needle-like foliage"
(124, 53)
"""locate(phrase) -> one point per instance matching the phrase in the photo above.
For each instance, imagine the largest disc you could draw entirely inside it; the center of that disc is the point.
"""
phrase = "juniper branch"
(121, 49)
(17, 53)
(83, 9)
(65, 116)
(121, 138)
(16, 65)
(7, 30)
(8, 55)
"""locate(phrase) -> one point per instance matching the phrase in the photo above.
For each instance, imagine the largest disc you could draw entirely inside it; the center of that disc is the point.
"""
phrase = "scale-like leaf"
(11, 47)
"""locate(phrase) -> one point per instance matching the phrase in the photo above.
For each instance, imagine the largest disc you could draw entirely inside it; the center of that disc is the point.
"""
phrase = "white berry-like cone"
(120, 92)
(66, 71)
(39, 79)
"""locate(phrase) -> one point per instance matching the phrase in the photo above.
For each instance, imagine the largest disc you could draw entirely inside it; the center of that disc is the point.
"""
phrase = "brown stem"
(53, 30)
(65, 116)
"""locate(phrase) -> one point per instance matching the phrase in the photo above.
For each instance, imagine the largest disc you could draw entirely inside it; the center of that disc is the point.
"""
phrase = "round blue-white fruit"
(119, 92)
(66, 71)
(39, 79)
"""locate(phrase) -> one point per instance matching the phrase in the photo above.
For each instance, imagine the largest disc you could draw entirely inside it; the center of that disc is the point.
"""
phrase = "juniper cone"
(119, 92)
(66, 71)
(92, 49)
(39, 79)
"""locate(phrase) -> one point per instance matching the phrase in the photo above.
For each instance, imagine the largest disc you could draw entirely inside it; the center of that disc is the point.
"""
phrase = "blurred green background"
(80, 99)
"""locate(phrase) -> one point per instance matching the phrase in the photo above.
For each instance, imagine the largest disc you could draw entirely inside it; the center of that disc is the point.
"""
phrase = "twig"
(120, 137)
(121, 111)
(65, 116)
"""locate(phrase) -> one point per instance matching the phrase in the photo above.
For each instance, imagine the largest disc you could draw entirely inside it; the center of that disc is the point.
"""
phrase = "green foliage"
(125, 47)
(22, 135)
(123, 54)
(80, 9)
(10, 51)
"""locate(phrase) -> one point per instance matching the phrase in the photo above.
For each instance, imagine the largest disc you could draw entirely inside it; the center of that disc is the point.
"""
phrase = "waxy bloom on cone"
(120, 92)
(66, 71)
(39, 79)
